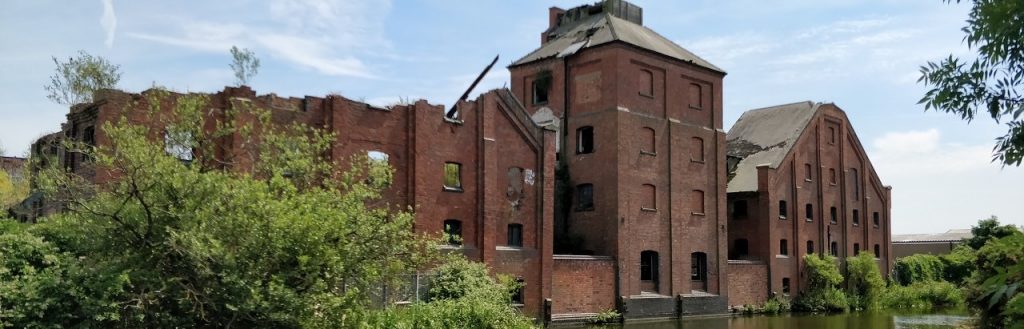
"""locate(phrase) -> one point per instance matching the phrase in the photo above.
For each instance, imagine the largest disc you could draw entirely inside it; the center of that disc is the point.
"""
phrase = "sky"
(862, 55)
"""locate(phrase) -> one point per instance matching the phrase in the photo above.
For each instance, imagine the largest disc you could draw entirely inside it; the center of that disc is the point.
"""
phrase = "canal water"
(859, 320)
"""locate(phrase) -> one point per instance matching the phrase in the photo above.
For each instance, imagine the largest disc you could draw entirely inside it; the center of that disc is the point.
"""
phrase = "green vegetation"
(822, 294)
(176, 241)
(244, 64)
(11, 191)
(990, 84)
(608, 316)
(994, 288)
(866, 286)
(989, 229)
(77, 79)
(923, 295)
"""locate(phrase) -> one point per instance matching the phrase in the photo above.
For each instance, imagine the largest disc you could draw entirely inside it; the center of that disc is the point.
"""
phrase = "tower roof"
(605, 27)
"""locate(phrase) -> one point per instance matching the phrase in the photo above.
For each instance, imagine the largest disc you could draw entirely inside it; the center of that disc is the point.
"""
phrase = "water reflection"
(840, 321)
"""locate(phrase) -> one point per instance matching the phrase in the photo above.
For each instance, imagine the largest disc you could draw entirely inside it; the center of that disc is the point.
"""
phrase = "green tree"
(995, 288)
(244, 64)
(187, 244)
(865, 281)
(77, 79)
(822, 293)
(990, 84)
(989, 229)
(11, 191)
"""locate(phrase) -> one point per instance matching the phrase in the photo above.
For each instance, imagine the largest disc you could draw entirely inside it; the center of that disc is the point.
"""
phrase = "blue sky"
(862, 55)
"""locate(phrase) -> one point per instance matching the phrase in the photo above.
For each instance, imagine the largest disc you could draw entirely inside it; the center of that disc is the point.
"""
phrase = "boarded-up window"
(650, 198)
(696, 96)
(697, 202)
(647, 140)
(697, 149)
(646, 83)
(452, 176)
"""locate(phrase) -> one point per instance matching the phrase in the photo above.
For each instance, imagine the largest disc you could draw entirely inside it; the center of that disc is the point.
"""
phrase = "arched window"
(646, 83)
(647, 137)
(585, 140)
(453, 231)
(697, 147)
(649, 265)
(855, 183)
(696, 96)
(377, 157)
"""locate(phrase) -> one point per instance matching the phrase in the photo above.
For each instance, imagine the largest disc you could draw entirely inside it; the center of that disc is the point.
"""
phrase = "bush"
(776, 305)
(958, 264)
(865, 282)
(822, 294)
(608, 316)
(918, 268)
(923, 295)
(994, 290)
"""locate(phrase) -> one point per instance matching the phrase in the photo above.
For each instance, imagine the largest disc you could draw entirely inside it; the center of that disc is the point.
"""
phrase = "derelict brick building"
(636, 217)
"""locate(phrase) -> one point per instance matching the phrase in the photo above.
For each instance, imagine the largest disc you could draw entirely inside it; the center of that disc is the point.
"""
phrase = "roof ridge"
(611, 27)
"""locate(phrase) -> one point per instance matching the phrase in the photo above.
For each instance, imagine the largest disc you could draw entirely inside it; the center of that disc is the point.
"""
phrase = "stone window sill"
(649, 209)
(453, 189)
(642, 152)
(697, 213)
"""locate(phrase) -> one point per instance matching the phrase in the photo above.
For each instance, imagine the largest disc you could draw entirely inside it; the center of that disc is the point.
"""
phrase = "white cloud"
(923, 153)
(108, 21)
(312, 54)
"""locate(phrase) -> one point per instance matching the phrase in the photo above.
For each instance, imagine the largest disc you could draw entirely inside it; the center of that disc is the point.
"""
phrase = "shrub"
(918, 268)
(958, 264)
(776, 305)
(865, 282)
(994, 288)
(608, 316)
(923, 295)
(822, 295)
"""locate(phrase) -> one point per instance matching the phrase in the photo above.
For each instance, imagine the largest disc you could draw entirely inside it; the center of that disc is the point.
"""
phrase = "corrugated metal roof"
(949, 236)
(765, 136)
(606, 28)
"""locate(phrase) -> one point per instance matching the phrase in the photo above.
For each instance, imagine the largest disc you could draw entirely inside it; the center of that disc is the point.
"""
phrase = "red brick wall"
(748, 283)
(583, 284)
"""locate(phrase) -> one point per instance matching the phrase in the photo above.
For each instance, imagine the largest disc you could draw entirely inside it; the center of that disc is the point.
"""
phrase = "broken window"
(89, 136)
(541, 87)
(178, 143)
(517, 293)
(646, 83)
(782, 209)
(584, 197)
(649, 265)
(809, 212)
(453, 232)
(698, 266)
(585, 140)
(452, 176)
(741, 248)
(515, 235)
(783, 247)
(739, 209)
(377, 157)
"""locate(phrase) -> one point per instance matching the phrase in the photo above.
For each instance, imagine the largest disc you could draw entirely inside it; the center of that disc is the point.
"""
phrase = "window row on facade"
(585, 143)
(453, 233)
(648, 198)
(741, 247)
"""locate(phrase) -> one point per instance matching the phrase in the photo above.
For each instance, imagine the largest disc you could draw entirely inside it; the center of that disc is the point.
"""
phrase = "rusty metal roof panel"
(764, 137)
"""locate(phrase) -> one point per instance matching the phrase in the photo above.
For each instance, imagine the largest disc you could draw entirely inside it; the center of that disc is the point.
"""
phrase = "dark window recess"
(785, 285)
(834, 248)
(741, 248)
(739, 209)
(517, 293)
(585, 140)
(875, 219)
(453, 231)
(541, 88)
(89, 136)
(515, 235)
(809, 212)
(834, 214)
(855, 181)
(782, 209)
(585, 197)
(452, 176)
(649, 265)
(856, 217)
(808, 174)
(856, 249)
(783, 247)
(832, 135)
(698, 266)
(810, 247)
(878, 251)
